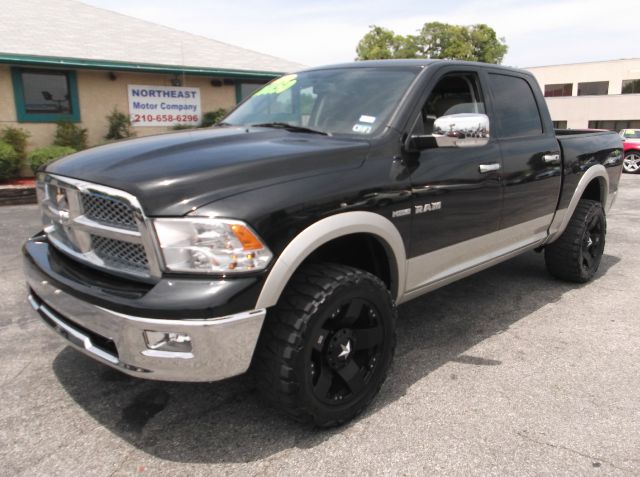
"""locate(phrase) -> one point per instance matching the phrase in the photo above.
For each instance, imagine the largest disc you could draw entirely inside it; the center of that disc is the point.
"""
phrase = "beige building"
(599, 95)
(62, 60)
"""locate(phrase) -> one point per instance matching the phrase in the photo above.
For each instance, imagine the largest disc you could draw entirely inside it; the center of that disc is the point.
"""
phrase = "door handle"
(484, 168)
(551, 158)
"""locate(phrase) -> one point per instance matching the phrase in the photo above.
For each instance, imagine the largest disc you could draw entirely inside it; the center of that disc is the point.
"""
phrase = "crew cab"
(283, 240)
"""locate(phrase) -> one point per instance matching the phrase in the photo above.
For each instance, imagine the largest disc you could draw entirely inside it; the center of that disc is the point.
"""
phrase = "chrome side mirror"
(455, 130)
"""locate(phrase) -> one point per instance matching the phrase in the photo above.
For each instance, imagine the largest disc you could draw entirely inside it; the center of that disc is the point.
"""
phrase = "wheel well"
(363, 251)
(594, 190)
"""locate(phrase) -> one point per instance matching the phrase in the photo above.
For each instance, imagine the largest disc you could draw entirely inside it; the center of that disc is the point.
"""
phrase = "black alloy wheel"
(346, 350)
(325, 348)
(593, 243)
(575, 256)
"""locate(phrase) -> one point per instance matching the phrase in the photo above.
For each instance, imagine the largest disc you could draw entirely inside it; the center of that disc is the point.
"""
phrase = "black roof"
(413, 63)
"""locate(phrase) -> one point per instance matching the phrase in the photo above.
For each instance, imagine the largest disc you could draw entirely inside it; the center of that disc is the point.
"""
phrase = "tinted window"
(46, 92)
(631, 86)
(593, 88)
(454, 94)
(247, 89)
(515, 107)
(564, 89)
(560, 125)
(615, 125)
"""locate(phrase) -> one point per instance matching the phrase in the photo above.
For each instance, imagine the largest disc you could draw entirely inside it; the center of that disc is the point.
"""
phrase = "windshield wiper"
(289, 127)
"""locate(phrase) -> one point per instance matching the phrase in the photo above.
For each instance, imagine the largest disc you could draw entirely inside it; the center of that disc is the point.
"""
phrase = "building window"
(244, 90)
(564, 89)
(631, 86)
(45, 96)
(615, 125)
(593, 88)
(559, 125)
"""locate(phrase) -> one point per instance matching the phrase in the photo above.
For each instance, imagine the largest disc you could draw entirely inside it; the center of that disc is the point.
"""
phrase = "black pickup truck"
(283, 239)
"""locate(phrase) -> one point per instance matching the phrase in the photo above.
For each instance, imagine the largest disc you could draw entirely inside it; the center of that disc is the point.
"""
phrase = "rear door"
(531, 161)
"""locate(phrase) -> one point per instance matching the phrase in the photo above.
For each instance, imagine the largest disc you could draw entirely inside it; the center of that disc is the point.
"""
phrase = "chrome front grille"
(98, 225)
(120, 254)
(108, 211)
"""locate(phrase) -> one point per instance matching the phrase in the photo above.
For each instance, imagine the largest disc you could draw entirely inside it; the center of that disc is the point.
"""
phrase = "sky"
(543, 32)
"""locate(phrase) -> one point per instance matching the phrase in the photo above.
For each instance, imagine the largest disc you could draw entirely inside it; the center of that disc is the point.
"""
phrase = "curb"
(17, 195)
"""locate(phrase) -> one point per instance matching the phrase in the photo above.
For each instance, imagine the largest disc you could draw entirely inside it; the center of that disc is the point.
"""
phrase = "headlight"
(204, 245)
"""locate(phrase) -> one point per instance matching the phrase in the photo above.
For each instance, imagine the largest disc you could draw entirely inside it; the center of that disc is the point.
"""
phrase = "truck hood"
(174, 174)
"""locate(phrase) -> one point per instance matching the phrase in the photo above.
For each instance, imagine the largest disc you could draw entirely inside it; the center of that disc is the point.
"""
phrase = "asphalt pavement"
(508, 372)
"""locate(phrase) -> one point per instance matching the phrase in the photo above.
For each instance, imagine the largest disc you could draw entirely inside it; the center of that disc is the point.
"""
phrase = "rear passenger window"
(515, 107)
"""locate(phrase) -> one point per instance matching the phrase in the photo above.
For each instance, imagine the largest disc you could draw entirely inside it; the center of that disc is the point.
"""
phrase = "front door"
(457, 192)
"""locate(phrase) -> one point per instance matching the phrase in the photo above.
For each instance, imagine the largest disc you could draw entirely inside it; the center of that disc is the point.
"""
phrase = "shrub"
(9, 161)
(212, 117)
(180, 127)
(16, 138)
(119, 125)
(70, 135)
(44, 155)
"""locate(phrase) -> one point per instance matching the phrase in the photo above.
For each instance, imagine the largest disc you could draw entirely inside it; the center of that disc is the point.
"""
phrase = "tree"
(382, 44)
(435, 40)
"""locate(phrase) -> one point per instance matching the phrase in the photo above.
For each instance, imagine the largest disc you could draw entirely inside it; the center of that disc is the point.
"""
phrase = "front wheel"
(576, 255)
(327, 345)
(631, 162)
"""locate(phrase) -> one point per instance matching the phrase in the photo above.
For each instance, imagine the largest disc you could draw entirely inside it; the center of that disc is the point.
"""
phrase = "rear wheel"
(326, 347)
(631, 162)
(576, 255)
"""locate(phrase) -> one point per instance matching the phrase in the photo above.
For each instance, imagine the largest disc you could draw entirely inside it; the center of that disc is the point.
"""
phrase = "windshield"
(631, 133)
(354, 101)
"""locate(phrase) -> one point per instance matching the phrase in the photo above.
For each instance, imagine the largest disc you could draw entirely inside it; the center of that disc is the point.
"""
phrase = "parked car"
(631, 139)
(283, 240)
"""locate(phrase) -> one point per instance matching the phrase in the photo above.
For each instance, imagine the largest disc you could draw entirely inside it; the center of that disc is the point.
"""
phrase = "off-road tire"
(289, 346)
(576, 254)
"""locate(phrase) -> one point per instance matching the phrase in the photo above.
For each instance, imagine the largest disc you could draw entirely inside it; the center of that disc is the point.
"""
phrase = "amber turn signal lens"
(244, 235)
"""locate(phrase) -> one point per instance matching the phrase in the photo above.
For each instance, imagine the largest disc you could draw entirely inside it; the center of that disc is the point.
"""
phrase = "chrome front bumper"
(221, 347)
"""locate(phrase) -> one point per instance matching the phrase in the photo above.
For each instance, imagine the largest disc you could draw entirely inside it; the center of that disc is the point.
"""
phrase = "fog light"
(168, 341)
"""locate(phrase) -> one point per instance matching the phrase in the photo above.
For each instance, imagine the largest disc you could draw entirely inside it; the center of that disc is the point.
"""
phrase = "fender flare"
(323, 231)
(562, 217)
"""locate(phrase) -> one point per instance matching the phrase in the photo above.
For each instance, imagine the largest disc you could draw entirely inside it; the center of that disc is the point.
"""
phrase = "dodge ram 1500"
(283, 239)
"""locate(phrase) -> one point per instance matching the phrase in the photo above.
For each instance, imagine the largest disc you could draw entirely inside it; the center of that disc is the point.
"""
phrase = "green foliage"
(181, 127)
(44, 155)
(119, 125)
(382, 44)
(9, 161)
(70, 135)
(212, 117)
(435, 40)
(16, 138)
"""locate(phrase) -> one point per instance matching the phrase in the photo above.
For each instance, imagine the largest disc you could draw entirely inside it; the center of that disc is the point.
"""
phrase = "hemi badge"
(401, 212)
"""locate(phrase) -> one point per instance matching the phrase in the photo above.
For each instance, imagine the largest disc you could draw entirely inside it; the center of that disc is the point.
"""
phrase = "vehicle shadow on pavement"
(227, 422)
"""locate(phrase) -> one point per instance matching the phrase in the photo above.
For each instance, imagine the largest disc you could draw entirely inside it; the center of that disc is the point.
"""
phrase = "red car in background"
(631, 139)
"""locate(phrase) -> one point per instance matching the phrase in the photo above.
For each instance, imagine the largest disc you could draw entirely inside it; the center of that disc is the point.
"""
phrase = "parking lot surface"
(506, 372)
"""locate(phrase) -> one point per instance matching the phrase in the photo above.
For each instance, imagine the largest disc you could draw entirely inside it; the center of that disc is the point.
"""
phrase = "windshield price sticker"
(362, 128)
(278, 86)
(164, 105)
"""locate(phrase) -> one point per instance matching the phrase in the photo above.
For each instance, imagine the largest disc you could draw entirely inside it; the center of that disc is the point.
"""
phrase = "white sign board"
(164, 105)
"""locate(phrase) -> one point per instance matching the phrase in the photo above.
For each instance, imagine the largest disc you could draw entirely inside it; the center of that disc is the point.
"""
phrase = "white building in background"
(598, 95)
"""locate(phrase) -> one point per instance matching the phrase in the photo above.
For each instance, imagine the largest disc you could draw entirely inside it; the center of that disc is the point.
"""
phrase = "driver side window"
(454, 94)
